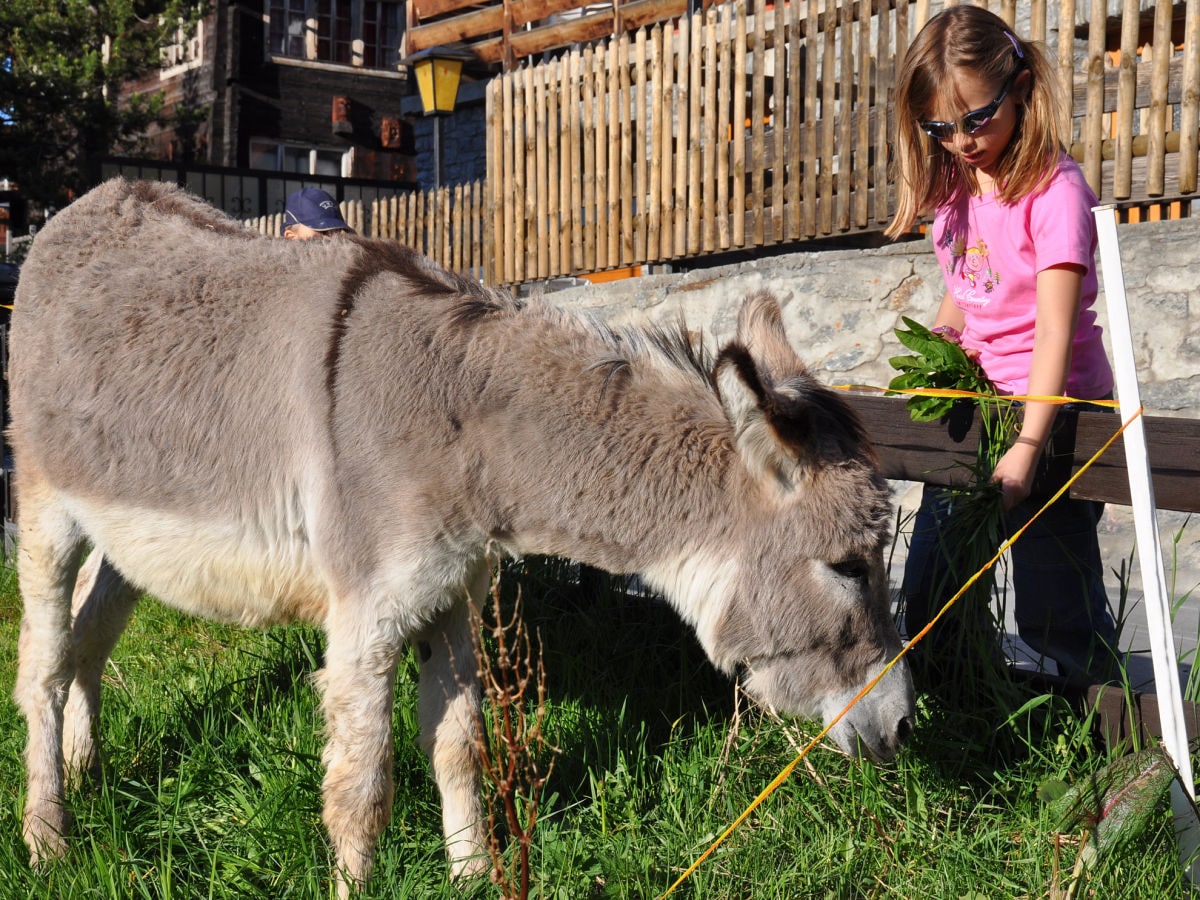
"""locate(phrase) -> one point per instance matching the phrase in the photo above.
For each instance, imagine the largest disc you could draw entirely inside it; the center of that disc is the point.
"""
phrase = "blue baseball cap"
(314, 208)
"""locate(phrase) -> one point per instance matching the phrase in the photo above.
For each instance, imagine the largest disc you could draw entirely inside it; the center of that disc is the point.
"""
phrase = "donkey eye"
(851, 568)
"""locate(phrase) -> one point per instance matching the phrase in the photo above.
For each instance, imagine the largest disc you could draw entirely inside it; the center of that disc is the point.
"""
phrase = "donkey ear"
(756, 377)
(760, 330)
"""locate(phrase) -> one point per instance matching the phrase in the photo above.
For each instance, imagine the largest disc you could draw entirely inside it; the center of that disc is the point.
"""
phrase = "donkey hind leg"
(50, 548)
(357, 687)
(449, 716)
(100, 610)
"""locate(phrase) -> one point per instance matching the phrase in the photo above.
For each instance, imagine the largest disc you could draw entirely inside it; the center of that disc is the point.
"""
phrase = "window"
(299, 159)
(187, 52)
(360, 33)
(381, 34)
(287, 31)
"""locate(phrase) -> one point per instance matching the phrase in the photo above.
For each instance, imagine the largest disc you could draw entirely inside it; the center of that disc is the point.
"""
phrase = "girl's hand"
(1015, 471)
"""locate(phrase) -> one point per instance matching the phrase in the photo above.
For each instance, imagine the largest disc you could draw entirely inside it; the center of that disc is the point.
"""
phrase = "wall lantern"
(438, 71)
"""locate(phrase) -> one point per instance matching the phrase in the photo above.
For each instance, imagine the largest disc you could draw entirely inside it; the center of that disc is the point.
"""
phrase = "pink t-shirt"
(991, 253)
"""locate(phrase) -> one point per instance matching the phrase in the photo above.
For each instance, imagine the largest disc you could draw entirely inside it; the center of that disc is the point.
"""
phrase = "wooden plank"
(1157, 124)
(625, 177)
(693, 147)
(1037, 21)
(828, 117)
(1126, 89)
(527, 163)
(1145, 80)
(643, 148)
(795, 113)
(737, 128)
(808, 216)
(481, 21)
(683, 127)
(940, 453)
(1128, 720)
(560, 166)
(591, 27)
(1066, 70)
(573, 245)
(1093, 124)
(862, 143)
(883, 83)
(758, 110)
(546, 234)
(778, 118)
(666, 142)
(479, 229)
(710, 140)
(604, 214)
(612, 96)
(723, 132)
(1189, 107)
(845, 110)
(591, 165)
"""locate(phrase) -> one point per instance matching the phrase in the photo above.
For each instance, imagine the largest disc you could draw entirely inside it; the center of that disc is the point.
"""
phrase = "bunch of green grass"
(211, 785)
(969, 665)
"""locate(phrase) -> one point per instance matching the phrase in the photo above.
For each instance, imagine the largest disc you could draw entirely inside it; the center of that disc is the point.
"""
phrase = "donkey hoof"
(45, 833)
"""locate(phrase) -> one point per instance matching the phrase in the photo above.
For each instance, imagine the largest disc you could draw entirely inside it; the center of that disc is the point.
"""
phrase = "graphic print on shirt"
(973, 267)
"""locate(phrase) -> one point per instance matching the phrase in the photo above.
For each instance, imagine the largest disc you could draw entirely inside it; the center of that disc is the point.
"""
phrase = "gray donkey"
(264, 431)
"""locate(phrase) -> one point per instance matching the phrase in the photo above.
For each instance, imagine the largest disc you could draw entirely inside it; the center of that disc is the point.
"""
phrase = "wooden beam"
(480, 27)
(942, 452)
(1124, 719)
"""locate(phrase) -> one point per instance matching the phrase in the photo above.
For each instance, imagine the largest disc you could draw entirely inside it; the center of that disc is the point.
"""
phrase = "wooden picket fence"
(753, 124)
(447, 225)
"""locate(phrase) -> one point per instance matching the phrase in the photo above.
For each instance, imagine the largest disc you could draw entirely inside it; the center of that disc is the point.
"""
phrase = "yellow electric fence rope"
(790, 767)
(955, 393)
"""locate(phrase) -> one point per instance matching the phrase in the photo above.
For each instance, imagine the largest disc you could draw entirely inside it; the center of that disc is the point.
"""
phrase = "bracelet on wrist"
(948, 333)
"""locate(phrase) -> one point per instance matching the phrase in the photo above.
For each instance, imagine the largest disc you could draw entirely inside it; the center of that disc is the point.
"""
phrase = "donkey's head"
(806, 613)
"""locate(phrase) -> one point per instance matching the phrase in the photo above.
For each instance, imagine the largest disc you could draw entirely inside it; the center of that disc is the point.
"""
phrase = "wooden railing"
(753, 125)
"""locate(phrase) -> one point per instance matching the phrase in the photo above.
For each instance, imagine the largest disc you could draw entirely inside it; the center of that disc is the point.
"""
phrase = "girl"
(978, 144)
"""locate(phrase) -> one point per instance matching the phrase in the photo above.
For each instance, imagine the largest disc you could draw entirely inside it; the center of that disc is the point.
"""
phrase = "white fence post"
(1145, 518)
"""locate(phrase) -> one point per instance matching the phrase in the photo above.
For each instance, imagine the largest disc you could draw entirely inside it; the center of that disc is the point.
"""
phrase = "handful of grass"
(939, 364)
(976, 526)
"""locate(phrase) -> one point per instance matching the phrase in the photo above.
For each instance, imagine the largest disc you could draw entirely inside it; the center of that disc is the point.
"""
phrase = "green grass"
(211, 785)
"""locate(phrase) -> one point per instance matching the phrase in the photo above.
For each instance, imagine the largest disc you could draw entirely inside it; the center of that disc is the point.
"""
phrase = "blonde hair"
(926, 174)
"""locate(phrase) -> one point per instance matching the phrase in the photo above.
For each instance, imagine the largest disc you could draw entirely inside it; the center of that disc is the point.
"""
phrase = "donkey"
(264, 431)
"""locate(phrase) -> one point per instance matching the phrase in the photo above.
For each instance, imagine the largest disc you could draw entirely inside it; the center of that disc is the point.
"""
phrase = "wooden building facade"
(311, 89)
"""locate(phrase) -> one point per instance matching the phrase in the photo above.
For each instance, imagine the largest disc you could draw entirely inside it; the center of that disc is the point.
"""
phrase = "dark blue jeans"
(1060, 603)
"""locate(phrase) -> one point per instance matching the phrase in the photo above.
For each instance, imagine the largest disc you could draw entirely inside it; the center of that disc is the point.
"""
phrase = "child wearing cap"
(310, 213)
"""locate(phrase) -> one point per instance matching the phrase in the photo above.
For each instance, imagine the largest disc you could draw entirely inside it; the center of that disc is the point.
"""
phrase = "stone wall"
(841, 306)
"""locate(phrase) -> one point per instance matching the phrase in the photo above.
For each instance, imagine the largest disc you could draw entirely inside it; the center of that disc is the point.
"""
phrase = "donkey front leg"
(50, 549)
(357, 684)
(101, 607)
(449, 715)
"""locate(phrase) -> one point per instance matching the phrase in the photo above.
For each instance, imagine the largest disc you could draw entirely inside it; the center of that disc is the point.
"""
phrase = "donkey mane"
(170, 201)
(619, 350)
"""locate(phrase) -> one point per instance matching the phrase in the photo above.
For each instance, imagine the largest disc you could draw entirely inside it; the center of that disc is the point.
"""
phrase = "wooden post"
(1093, 123)
(1126, 97)
(1189, 107)
(1157, 124)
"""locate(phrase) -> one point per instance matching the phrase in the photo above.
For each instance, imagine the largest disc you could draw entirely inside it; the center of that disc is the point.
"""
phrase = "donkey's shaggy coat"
(261, 430)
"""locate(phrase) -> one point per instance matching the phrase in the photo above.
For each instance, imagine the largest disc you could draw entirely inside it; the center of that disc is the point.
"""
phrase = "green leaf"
(1116, 803)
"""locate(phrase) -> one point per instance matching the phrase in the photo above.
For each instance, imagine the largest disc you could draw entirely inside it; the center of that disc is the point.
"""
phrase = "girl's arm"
(949, 314)
(1058, 290)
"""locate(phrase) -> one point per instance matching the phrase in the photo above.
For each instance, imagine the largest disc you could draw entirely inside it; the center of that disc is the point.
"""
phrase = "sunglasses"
(972, 121)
